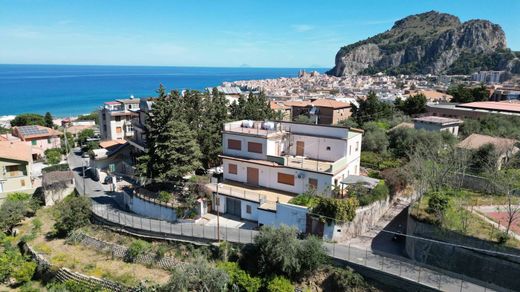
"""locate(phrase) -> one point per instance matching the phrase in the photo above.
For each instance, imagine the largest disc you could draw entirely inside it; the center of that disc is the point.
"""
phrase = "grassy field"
(459, 218)
(85, 260)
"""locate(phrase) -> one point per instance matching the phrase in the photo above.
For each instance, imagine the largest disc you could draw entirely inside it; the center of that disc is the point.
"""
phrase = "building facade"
(437, 124)
(267, 163)
(39, 138)
(115, 119)
(138, 141)
(15, 166)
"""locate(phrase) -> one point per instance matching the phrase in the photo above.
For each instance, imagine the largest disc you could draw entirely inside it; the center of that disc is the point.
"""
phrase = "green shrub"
(56, 167)
(137, 248)
(280, 284)
(72, 213)
(345, 279)
(53, 156)
(305, 200)
(164, 196)
(438, 203)
(342, 210)
(240, 279)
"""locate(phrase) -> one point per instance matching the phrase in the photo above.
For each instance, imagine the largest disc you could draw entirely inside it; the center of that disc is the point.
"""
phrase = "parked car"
(109, 179)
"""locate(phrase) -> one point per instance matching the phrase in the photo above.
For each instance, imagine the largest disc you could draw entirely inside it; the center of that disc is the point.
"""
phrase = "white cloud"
(302, 27)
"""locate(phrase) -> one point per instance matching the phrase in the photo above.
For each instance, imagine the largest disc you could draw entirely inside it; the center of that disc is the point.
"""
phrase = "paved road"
(106, 208)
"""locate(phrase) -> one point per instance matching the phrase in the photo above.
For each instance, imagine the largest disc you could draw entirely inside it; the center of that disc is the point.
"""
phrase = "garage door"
(233, 207)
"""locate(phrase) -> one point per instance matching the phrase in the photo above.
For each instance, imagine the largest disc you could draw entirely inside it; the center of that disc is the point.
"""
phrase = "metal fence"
(363, 257)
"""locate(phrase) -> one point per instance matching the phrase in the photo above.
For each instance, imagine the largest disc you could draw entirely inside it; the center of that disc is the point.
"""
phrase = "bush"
(305, 200)
(12, 211)
(136, 248)
(53, 156)
(72, 213)
(57, 167)
(395, 179)
(14, 266)
(342, 210)
(239, 279)
(345, 280)
(279, 252)
(164, 196)
(438, 203)
(200, 275)
(280, 284)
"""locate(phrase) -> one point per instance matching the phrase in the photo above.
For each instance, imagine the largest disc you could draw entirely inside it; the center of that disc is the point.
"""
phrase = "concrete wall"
(454, 129)
(54, 196)
(286, 214)
(366, 218)
(14, 183)
(319, 148)
(253, 216)
(243, 151)
(152, 210)
(44, 144)
(501, 270)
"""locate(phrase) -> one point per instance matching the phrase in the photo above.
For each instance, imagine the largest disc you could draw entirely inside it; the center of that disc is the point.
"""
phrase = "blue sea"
(69, 90)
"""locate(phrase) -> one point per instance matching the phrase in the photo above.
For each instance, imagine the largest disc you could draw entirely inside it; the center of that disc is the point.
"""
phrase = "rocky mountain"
(430, 42)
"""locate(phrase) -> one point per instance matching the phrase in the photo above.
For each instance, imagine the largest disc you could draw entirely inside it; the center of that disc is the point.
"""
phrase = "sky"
(223, 33)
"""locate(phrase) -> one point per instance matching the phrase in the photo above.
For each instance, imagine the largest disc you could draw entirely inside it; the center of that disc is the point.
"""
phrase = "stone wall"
(46, 271)
(366, 218)
(475, 183)
(119, 251)
(449, 251)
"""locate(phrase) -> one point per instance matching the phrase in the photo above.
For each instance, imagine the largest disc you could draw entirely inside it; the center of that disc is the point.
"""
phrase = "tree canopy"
(371, 109)
(28, 120)
(48, 120)
(462, 93)
(413, 105)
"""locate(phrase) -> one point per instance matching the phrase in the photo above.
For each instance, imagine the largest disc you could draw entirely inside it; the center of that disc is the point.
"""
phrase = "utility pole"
(218, 216)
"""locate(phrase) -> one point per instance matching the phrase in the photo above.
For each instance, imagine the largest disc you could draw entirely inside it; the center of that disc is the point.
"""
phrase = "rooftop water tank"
(268, 126)
(247, 124)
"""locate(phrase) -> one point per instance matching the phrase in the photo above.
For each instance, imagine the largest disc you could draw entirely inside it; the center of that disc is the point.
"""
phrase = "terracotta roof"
(52, 177)
(26, 132)
(77, 129)
(431, 95)
(493, 106)
(277, 105)
(475, 141)
(330, 103)
(15, 150)
(300, 103)
(110, 143)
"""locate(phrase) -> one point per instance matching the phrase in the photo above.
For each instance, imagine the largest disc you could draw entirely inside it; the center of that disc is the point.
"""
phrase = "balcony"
(309, 164)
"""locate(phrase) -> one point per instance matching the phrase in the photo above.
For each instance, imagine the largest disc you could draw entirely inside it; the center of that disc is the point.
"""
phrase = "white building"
(268, 163)
(489, 77)
(115, 119)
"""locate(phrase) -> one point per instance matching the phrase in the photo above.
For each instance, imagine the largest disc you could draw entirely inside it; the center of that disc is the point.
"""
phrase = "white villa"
(268, 163)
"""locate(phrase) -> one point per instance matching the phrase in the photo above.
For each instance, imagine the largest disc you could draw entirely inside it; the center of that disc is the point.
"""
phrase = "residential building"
(138, 141)
(15, 166)
(283, 110)
(39, 138)
(322, 111)
(231, 93)
(115, 119)
(431, 95)
(473, 109)
(114, 156)
(489, 77)
(268, 163)
(436, 124)
(506, 148)
(56, 186)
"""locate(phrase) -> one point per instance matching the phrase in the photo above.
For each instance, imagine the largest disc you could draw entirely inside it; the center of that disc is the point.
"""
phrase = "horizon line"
(178, 66)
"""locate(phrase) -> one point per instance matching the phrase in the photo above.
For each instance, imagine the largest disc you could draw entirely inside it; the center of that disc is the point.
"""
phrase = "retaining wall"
(121, 252)
(46, 271)
(490, 268)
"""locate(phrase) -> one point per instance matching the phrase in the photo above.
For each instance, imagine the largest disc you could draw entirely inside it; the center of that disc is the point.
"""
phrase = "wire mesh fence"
(360, 256)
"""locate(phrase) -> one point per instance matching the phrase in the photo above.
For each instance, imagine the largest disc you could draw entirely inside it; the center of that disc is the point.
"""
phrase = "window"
(357, 146)
(33, 142)
(234, 144)
(248, 209)
(349, 149)
(232, 169)
(254, 147)
(286, 179)
(49, 140)
(118, 118)
(12, 170)
(22, 182)
(313, 183)
(217, 201)
(328, 148)
(119, 130)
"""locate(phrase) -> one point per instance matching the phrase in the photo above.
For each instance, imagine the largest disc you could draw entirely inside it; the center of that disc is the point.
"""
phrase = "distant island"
(431, 42)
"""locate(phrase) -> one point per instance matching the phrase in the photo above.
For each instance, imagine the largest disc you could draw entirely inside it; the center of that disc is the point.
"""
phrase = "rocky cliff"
(430, 42)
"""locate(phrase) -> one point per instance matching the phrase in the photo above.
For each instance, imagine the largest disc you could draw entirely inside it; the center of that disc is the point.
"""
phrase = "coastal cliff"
(430, 42)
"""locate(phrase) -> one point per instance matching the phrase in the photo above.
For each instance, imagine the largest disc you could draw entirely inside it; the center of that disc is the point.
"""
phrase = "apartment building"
(322, 111)
(39, 138)
(115, 119)
(138, 141)
(15, 166)
(267, 163)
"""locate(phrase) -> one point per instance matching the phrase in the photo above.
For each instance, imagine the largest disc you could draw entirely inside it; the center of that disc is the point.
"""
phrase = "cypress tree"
(48, 120)
(173, 150)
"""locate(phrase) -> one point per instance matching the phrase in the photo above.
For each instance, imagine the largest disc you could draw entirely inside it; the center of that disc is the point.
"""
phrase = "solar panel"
(32, 130)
